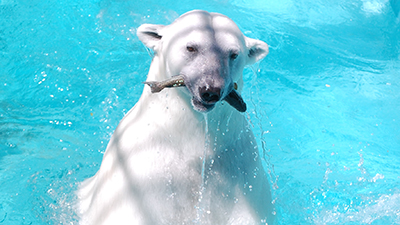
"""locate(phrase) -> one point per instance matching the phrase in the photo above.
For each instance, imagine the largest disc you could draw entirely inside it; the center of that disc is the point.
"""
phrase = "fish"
(233, 98)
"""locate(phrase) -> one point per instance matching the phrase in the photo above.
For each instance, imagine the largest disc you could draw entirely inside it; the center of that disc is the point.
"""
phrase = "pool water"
(324, 104)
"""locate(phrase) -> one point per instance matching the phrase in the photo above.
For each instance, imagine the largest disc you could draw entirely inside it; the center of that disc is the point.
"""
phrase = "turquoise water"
(324, 104)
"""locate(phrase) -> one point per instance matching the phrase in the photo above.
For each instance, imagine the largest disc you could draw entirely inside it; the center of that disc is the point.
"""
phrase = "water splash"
(206, 144)
(263, 131)
(200, 207)
(376, 210)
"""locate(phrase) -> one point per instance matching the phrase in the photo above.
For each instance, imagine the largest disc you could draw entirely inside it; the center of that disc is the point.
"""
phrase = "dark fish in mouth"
(233, 98)
(236, 101)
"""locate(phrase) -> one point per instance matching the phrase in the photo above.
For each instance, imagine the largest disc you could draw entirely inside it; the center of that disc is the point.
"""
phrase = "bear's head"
(209, 51)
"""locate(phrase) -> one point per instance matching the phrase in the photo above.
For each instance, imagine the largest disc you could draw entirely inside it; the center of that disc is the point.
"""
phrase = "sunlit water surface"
(324, 104)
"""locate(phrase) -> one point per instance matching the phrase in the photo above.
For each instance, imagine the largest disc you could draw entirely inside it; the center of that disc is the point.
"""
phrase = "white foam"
(374, 6)
(385, 206)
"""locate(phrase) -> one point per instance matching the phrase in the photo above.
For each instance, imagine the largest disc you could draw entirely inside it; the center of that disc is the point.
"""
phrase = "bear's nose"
(210, 95)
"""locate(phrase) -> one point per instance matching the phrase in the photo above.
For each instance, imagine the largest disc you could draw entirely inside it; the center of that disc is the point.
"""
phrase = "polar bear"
(185, 154)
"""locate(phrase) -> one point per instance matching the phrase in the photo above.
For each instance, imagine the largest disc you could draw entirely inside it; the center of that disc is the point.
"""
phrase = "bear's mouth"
(233, 98)
(201, 106)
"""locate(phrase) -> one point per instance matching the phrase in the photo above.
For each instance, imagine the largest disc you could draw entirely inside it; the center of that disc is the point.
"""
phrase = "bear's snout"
(210, 95)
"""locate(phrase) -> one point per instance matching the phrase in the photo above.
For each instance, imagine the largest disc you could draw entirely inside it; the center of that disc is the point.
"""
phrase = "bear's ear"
(257, 50)
(150, 34)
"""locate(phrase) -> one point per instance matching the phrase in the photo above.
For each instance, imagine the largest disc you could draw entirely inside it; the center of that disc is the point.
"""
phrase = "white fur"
(168, 163)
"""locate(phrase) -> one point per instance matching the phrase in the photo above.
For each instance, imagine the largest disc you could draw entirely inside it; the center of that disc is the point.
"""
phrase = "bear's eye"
(234, 56)
(191, 49)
